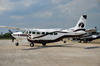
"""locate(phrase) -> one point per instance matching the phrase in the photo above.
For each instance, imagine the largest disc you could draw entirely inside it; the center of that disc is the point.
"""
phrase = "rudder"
(81, 23)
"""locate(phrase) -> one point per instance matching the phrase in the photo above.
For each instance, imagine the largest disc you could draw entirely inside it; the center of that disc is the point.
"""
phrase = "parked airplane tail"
(81, 23)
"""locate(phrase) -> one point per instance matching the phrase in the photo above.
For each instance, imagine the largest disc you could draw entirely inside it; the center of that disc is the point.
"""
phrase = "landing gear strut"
(79, 41)
(31, 44)
(17, 44)
(85, 41)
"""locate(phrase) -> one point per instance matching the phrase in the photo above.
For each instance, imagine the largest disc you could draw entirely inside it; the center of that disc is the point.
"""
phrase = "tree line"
(6, 36)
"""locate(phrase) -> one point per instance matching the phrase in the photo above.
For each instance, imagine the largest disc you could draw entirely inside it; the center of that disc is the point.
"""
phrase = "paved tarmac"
(54, 54)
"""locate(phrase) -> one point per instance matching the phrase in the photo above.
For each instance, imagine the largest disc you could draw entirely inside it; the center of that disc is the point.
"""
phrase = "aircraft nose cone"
(12, 34)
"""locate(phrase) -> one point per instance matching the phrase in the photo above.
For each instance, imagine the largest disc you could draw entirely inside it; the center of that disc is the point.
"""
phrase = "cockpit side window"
(22, 31)
(27, 32)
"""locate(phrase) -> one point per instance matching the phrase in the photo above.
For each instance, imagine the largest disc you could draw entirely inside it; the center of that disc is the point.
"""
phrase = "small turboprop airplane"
(48, 35)
(91, 34)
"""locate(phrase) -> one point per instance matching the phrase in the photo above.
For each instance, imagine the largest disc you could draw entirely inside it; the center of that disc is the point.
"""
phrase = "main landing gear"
(31, 44)
(64, 41)
(44, 44)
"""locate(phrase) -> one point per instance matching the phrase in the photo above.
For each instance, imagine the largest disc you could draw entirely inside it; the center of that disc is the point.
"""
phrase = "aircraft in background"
(91, 34)
(48, 35)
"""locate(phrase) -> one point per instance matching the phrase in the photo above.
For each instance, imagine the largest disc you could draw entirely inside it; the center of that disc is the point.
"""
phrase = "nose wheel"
(17, 44)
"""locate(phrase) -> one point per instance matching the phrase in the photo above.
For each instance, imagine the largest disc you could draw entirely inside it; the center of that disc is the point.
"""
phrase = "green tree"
(1, 36)
(6, 36)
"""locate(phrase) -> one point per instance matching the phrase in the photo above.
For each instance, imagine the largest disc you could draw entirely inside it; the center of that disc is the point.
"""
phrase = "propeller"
(10, 31)
(12, 36)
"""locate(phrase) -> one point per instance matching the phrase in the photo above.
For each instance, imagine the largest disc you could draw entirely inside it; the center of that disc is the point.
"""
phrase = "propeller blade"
(12, 36)
(10, 31)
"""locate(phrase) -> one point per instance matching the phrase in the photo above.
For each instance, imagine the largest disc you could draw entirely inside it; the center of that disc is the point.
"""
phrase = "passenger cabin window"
(43, 32)
(29, 32)
(38, 32)
(51, 33)
(47, 33)
(33, 32)
(55, 33)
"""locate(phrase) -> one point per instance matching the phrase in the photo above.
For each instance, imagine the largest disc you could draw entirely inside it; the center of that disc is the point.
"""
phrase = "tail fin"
(81, 23)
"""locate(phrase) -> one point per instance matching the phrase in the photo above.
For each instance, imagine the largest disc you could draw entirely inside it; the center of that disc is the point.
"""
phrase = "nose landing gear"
(17, 44)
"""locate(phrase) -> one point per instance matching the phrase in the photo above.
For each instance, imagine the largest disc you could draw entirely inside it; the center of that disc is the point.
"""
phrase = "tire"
(17, 44)
(79, 41)
(64, 41)
(85, 41)
(32, 45)
(89, 41)
(44, 44)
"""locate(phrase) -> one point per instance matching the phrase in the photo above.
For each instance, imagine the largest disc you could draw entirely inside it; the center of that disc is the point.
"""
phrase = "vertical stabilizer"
(81, 23)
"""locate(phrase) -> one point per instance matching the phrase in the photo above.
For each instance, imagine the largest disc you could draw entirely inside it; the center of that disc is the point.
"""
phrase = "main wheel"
(79, 41)
(64, 41)
(85, 41)
(17, 44)
(44, 44)
(89, 41)
(32, 45)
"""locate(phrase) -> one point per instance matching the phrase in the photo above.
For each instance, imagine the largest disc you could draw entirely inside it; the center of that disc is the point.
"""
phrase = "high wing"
(32, 29)
(10, 27)
(91, 30)
(22, 29)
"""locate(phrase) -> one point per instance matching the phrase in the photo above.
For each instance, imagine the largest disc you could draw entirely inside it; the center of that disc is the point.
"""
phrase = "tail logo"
(81, 25)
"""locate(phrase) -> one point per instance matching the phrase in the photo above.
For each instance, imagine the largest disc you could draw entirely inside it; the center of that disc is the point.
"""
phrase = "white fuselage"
(46, 35)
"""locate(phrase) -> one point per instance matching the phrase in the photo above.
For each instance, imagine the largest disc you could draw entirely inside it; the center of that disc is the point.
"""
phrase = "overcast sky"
(48, 13)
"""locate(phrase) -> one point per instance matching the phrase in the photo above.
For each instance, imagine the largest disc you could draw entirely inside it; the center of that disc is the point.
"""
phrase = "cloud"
(0, 13)
(48, 13)
(6, 5)
(17, 17)
(28, 3)
(76, 7)
(42, 14)
(98, 1)
(1, 8)
(56, 1)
